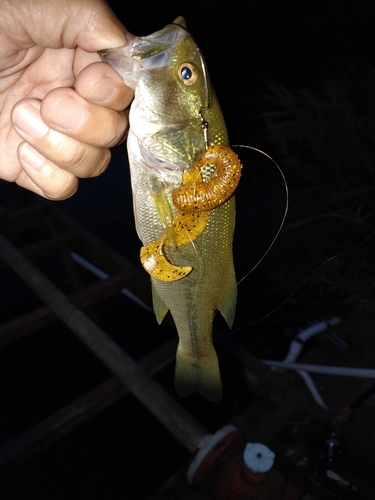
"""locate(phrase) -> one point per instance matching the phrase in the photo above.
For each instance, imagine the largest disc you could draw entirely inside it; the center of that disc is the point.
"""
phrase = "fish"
(183, 177)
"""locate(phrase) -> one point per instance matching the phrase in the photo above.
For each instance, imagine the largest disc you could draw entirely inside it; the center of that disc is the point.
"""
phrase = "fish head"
(167, 71)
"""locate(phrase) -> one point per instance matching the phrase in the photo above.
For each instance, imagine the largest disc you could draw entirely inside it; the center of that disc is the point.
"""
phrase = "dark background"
(295, 44)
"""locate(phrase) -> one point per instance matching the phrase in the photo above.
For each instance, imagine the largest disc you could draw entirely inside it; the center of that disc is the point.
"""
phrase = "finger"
(43, 177)
(78, 158)
(100, 84)
(64, 113)
(67, 112)
(90, 25)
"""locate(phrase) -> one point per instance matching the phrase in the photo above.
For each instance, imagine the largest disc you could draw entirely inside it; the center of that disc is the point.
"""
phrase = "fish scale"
(166, 136)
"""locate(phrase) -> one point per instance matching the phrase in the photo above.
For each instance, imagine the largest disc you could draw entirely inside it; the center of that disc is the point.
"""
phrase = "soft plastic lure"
(194, 200)
(197, 196)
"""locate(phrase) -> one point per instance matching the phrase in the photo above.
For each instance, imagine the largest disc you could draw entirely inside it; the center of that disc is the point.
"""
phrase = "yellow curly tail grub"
(194, 195)
(194, 200)
(156, 264)
(186, 228)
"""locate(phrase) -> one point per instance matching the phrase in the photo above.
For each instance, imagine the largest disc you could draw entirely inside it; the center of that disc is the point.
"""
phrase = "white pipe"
(102, 275)
(313, 389)
(296, 348)
(298, 342)
(327, 370)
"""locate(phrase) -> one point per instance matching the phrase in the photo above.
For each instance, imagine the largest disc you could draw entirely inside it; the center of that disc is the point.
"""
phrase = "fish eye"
(188, 73)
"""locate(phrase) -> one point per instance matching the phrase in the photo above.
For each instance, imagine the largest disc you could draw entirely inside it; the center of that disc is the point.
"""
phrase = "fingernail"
(112, 34)
(102, 91)
(28, 120)
(67, 113)
(31, 157)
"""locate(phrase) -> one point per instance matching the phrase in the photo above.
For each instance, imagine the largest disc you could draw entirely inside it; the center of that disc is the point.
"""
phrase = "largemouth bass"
(183, 176)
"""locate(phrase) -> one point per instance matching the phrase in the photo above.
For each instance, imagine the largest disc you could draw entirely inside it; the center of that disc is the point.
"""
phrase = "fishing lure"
(194, 199)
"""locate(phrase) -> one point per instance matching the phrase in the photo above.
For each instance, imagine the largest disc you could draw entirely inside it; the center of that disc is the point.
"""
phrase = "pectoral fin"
(160, 309)
(228, 306)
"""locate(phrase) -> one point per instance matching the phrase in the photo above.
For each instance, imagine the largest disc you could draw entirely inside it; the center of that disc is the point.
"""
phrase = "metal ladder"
(68, 239)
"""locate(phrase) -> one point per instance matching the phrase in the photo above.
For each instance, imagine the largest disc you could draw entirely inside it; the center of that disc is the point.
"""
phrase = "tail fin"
(201, 375)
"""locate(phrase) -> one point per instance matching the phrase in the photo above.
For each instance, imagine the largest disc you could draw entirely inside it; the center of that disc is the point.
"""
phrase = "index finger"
(99, 83)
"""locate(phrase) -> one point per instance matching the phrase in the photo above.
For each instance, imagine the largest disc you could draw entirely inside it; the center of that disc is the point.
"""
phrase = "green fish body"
(172, 98)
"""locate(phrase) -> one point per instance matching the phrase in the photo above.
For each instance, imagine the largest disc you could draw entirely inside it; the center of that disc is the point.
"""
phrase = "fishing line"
(341, 254)
(201, 267)
(338, 255)
(281, 223)
(285, 210)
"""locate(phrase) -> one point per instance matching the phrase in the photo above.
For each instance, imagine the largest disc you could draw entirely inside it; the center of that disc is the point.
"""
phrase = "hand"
(60, 107)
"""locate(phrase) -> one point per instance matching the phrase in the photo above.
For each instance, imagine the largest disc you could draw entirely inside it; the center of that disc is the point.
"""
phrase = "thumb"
(99, 29)
(88, 24)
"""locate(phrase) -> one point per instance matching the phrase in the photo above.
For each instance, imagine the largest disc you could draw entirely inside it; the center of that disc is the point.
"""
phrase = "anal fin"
(227, 307)
(160, 309)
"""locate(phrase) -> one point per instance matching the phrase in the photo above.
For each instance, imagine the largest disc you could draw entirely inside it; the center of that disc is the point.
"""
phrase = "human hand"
(60, 107)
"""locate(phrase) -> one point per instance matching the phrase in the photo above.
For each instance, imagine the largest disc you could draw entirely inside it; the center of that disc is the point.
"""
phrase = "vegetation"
(324, 139)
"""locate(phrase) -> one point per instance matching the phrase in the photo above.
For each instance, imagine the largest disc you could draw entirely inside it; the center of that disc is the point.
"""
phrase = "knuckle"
(102, 162)
(91, 163)
(115, 127)
(110, 133)
(58, 184)
(73, 155)
(78, 158)
(62, 150)
(63, 190)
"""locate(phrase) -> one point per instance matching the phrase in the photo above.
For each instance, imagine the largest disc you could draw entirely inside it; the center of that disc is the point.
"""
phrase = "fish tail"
(198, 375)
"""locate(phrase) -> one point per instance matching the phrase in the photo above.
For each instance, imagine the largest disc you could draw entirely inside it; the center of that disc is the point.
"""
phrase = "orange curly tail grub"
(196, 196)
